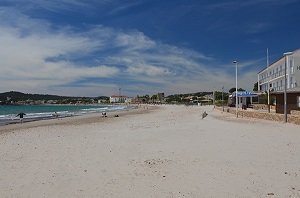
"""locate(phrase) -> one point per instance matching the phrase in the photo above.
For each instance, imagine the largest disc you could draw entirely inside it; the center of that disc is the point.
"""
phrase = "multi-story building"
(120, 99)
(272, 78)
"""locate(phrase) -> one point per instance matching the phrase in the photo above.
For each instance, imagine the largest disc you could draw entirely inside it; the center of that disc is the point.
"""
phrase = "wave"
(31, 116)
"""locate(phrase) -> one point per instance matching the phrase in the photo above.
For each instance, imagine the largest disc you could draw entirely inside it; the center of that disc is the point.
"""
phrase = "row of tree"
(14, 97)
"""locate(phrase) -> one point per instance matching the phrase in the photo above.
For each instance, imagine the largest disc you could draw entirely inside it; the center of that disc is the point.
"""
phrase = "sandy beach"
(169, 151)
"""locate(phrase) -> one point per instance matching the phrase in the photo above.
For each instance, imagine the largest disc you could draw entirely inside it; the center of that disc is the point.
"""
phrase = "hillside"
(19, 96)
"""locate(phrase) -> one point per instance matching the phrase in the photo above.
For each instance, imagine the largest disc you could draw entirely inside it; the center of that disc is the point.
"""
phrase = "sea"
(8, 113)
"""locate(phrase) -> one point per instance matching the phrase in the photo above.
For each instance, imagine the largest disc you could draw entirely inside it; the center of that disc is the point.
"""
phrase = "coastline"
(76, 120)
(44, 112)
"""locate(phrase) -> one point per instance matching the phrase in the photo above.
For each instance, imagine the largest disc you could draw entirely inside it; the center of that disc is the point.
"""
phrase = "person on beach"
(204, 114)
(104, 114)
(55, 114)
(21, 115)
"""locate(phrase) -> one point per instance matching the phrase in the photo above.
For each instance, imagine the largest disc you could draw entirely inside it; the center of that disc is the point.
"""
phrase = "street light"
(285, 84)
(223, 98)
(268, 81)
(236, 89)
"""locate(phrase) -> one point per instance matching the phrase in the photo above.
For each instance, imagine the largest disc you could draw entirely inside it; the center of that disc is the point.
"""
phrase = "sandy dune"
(169, 152)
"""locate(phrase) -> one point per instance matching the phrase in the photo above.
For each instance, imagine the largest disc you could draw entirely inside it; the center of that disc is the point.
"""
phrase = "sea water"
(8, 113)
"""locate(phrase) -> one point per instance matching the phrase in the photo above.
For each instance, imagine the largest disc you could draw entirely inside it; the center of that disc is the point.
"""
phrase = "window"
(291, 62)
(291, 65)
(298, 101)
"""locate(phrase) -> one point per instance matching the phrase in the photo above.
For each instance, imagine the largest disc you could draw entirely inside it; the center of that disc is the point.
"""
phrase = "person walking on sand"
(21, 115)
(204, 114)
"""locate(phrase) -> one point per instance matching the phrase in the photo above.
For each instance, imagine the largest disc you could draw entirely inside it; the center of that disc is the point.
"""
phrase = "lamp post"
(236, 89)
(223, 98)
(214, 99)
(285, 84)
(268, 81)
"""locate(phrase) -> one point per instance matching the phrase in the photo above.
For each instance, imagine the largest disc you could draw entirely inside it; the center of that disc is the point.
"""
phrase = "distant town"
(18, 98)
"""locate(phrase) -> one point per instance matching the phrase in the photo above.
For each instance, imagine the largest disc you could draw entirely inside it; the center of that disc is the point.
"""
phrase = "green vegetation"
(218, 98)
(233, 90)
(14, 97)
(255, 86)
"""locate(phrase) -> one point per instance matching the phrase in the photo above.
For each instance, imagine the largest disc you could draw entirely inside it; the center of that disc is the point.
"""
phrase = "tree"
(218, 95)
(154, 98)
(233, 90)
(255, 87)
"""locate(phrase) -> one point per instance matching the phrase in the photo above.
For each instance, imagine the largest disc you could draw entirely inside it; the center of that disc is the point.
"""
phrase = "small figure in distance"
(21, 115)
(204, 114)
(104, 114)
(116, 115)
(55, 114)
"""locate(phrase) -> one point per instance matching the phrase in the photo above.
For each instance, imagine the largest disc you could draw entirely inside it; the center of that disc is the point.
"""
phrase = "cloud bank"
(38, 56)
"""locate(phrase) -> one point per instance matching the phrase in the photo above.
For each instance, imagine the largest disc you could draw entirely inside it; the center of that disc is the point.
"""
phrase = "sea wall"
(294, 117)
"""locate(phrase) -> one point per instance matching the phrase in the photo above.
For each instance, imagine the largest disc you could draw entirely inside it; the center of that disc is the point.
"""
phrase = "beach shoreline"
(76, 120)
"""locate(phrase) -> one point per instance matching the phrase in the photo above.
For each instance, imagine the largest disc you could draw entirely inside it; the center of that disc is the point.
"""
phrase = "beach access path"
(167, 152)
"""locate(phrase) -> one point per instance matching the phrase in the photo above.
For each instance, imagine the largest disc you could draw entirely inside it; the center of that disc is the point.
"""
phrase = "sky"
(96, 47)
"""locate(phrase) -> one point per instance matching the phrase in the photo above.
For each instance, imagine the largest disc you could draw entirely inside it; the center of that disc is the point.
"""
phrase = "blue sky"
(94, 47)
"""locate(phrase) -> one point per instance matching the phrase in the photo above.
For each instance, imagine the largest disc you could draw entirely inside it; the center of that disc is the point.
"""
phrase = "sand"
(167, 152)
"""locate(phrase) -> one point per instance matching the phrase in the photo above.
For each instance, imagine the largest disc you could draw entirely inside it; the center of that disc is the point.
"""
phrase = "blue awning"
(245, 94)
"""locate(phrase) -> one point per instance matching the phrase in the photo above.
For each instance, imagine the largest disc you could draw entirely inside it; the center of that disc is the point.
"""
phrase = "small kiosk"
(245, 98)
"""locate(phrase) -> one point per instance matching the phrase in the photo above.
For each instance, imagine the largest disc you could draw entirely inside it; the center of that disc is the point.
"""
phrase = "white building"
(272, 77)
(120, 99)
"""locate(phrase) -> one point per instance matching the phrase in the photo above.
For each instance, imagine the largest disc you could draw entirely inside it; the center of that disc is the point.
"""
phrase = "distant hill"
(18, 96)
(14, 95)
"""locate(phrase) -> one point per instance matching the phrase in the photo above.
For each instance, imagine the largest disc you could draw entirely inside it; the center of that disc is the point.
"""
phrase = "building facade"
(272, 78)
(120, 99)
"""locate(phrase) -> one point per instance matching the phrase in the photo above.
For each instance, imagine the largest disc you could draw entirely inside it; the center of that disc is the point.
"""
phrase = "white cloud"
(133, 41)
(39, 57)
(27, 46)
(148, 70)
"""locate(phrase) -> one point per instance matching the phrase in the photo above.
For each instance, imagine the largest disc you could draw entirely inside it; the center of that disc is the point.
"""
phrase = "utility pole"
(223, 98)
(214, 98)
(236, 88)
(268, 81)
(120, 98)
(285, 85)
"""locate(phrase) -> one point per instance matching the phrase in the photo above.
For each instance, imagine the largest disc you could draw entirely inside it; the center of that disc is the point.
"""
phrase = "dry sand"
(167, 152)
